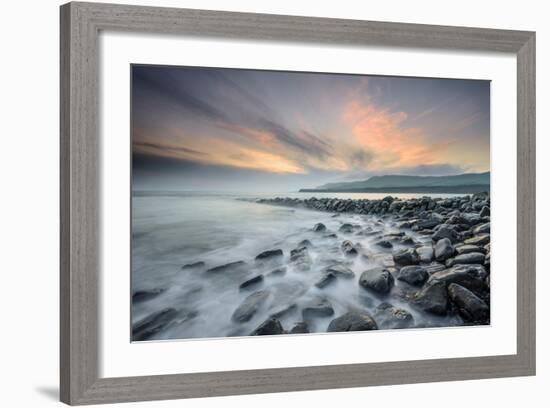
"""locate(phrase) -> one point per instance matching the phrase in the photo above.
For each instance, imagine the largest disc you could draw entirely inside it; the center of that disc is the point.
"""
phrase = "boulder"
(305, 243)
(300, 257)
(413, 274)
(153, 324)
(471, 308)
(146, 294)
(389, 317)
(250, 306)
(384, 244)
(485, 212)
(432, 298)
(446, 231)
(471, 277)
(434, 267)
(406, 257)
(278, 271)
(284, 311)
(349, 249)
(346, 228)
(326, 279)
(425, 254)
(340, 270)
(229, 267)
(466, 249)
(300, 327)
(469, 258)
(479, 240)
(270, 327)
(319, 227)
(319, 307)
(377, 279)
(195, 265)
(482, 229)
(352, 321)
(428, 223)
(443, 250)
(251, 282)
(274, 253)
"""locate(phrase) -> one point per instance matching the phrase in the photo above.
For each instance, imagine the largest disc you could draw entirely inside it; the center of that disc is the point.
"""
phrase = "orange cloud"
(381, 133)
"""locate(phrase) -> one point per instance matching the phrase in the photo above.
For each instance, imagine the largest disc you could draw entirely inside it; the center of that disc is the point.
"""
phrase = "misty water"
(174, 229)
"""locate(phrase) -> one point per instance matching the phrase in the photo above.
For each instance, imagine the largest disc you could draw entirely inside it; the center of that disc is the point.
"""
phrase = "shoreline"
(410, 259)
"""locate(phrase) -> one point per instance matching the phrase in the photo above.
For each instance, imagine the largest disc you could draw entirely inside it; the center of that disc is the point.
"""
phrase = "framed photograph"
(261, 203)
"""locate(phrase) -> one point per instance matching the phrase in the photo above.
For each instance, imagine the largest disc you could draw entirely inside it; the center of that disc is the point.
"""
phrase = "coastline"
(367, 264)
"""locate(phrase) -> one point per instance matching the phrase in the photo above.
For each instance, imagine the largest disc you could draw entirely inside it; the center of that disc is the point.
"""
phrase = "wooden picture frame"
(80, 158)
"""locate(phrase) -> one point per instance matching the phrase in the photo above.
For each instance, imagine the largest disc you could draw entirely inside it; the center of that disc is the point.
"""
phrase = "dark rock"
(340, 270)
(195, 265)
(305, 243)
(485, 212)
(389, 317)
(384, 244)
(346, 228)
(352, 321)
(482, 229)
(251, 282)
(377, 279)
(413, 275)
(443, 250)
(250, 306)
(434, 267)
(144, 295)
(471, 277)
(232, 266)
(445, 231)
(428, 223)
(278, 271)
(319, 307)
(406, 224)
(300, 257)
(425, 254)
(326, 280)
(466, 249)
(408, 241)
(319, 227)
(482, 239)
(153, 324)
(469, 258)
(284, 311)
(300, 327)
(432, 298)
(268, 328)
(406, 257)
(470, 307)
(274, 253)
(349, 249)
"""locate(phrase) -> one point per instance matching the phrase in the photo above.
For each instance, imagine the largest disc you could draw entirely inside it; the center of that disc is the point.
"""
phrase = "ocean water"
(170, 230)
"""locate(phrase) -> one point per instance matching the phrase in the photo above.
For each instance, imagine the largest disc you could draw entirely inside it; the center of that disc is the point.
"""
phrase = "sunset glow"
(319, 126)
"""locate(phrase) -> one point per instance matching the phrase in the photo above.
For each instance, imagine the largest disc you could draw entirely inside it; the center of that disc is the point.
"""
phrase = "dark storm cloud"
(204, 92)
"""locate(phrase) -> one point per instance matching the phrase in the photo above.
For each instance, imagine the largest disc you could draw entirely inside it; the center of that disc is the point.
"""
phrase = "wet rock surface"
(352, 321)
(364, 265)
(379, 280)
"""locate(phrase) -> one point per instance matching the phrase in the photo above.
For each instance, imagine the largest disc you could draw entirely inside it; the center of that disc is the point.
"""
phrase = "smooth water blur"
(173, 229)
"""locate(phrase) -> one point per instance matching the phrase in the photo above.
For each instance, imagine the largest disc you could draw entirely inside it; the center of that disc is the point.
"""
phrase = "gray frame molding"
(80, 26)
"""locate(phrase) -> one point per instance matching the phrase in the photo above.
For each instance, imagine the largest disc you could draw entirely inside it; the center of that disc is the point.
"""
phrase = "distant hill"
(460, 183)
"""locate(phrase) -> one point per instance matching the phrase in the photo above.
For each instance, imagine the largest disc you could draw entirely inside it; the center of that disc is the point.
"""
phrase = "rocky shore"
(409, 262)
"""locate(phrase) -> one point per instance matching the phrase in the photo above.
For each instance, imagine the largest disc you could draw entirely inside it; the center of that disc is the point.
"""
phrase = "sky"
(215, 129)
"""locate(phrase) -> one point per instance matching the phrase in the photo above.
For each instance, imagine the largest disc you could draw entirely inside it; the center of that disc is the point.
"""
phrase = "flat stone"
(352, 321)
